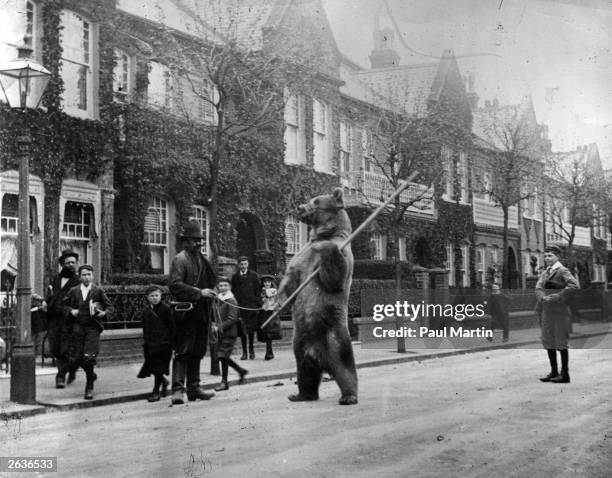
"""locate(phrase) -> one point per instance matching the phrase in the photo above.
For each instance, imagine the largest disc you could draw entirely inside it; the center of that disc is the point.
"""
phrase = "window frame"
(380, 246)
(122, 96)
(321, 132)
(300, 236)
(346, 146)
(481, 263)
(83, 225)
(465, 265)
(450, 264)
(449, 172)
(199, 213)
(294, 129)
(88, 62)
(464, 178)
(162, 220)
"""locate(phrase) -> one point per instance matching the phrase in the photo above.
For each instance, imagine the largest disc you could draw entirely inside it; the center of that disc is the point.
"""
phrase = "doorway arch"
(422, 253)
(250, 237)
(513, 273)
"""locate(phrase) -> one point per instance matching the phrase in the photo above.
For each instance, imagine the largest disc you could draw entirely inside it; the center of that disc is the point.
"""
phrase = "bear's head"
(326, 216)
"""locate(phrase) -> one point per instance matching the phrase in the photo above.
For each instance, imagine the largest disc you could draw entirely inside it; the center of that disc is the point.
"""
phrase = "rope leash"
(187, 306)
(237, 306)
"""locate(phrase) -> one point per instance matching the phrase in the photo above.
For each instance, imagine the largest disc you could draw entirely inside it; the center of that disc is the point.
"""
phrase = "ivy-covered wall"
(162, 155)
(62, 146)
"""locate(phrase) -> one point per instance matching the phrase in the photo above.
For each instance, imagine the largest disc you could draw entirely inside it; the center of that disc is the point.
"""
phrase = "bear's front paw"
(348, 400)
(297, 397)
(324, 246)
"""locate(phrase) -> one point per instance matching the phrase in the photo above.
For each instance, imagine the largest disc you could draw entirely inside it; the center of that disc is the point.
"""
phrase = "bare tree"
(244, 79)
(511, 166)
(572, 194)
(401, 145)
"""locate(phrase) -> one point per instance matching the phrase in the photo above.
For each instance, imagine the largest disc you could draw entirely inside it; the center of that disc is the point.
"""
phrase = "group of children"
(158, 332)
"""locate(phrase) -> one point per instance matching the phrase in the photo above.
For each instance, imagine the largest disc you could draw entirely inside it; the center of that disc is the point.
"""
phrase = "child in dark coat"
(158, 333)
(225, 314)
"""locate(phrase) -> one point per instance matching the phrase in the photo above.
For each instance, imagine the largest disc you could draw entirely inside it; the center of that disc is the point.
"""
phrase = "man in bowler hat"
(58, 329)
(192, 279)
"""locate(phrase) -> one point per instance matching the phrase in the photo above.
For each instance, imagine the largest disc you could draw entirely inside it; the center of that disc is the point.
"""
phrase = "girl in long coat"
(225, 313)
(552, 293)
(158, 333)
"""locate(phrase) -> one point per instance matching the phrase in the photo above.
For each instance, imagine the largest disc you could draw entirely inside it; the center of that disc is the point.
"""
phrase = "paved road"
(483, 414)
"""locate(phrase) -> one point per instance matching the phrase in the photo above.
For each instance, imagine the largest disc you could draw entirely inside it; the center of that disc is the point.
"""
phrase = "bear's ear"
(339, 197)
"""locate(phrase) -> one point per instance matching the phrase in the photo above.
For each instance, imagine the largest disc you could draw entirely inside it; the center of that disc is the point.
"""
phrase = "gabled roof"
(493, 123)
(586, 155)
(242, 20)
(408, 88)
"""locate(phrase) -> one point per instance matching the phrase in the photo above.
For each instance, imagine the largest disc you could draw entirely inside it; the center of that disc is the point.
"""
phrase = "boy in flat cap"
(552, 293)
(158, 334)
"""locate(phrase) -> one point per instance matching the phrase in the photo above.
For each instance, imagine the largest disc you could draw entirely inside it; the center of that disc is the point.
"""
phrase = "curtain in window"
(8, 254)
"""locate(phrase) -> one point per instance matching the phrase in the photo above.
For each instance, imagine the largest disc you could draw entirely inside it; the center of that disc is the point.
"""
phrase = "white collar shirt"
(85, 290)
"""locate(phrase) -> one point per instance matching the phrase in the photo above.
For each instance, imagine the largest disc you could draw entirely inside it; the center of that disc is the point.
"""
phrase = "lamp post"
(23, 83)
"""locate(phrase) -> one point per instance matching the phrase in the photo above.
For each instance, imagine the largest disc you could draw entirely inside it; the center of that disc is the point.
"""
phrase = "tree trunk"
(51, 234)
(401, 341)
(219, 151)
(505, 265)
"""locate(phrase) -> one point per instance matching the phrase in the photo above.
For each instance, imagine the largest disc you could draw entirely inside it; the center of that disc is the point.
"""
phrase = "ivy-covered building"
(125, 134)
(134, 138)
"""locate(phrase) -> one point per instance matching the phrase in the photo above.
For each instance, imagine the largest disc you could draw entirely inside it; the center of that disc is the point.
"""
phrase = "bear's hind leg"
(309, 379)
(341, 363)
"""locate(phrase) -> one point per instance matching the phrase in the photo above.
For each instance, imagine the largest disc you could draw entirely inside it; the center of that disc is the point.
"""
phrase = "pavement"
(118, 383)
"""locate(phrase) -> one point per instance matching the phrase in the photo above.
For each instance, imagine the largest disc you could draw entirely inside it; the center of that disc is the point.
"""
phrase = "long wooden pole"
(348, 240)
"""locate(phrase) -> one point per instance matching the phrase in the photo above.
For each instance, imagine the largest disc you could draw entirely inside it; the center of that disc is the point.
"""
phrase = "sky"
(557, 51)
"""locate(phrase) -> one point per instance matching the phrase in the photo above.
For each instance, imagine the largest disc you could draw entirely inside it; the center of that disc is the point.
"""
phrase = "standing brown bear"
(321, 340)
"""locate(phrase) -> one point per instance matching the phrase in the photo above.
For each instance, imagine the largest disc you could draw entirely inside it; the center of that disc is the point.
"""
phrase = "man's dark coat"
(189, 274)
(247, 290)
(58, 331)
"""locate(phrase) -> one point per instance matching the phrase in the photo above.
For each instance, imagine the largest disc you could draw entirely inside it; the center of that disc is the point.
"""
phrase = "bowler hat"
(192, 230)
(68, 253)
(556, 250)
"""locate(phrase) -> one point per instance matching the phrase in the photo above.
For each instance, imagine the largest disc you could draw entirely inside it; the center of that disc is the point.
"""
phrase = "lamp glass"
(23, 83)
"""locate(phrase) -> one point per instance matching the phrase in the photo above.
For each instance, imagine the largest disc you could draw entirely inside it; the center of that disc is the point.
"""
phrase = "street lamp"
(23, 83)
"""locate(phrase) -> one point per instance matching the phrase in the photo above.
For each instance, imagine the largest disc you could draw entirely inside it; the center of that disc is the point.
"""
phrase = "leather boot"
(563, 377)
(550, 377)
(199, 394)
(154, 397)
(243, 373)
(177, 397)
(222, 386)
(194, 392)
(89, 386)
(164, 388)
(60, 381)
(269, 353)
